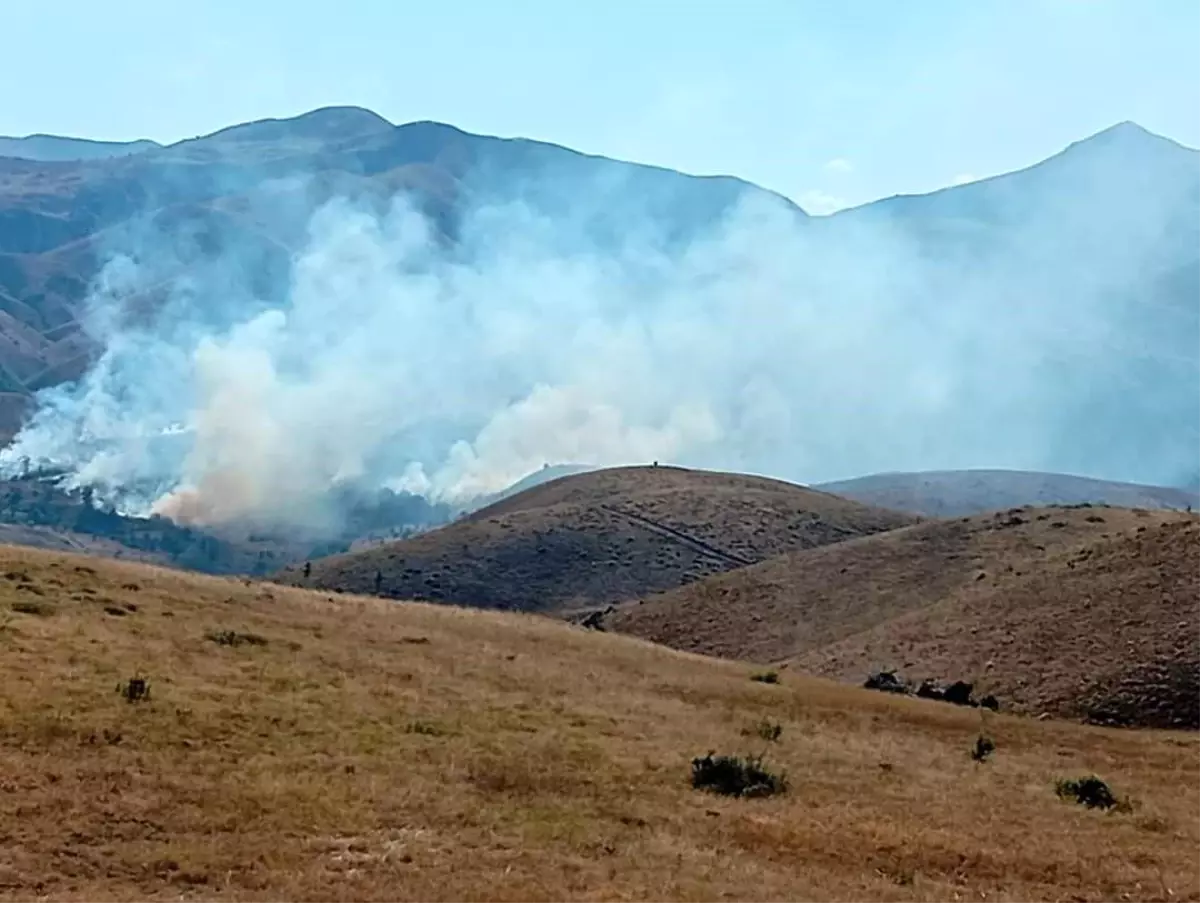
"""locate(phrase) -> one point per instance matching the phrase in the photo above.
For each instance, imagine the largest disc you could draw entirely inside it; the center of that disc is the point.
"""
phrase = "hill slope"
(955, 493)
(1107, 632)
(55, 148)
(357, 749)
(599, 537)
(1062, 602)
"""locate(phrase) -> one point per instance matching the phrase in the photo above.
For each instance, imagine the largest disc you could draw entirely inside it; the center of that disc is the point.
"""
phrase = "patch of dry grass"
(372, 750)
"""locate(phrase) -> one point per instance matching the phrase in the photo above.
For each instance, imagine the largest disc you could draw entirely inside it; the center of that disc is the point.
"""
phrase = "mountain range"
(1097, 246)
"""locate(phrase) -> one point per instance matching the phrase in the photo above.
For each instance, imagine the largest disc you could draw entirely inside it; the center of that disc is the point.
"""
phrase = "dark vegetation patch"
(958, 693)
(1088, 791)
(235, 638)
(735, 776)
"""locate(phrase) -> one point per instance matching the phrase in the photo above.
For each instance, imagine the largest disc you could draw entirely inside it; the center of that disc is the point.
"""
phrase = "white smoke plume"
(386, 358)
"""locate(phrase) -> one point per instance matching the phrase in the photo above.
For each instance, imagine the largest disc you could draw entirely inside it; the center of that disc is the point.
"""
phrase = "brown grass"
(1107, 632)
(372, 750)
(1061, 602)
(600, 537)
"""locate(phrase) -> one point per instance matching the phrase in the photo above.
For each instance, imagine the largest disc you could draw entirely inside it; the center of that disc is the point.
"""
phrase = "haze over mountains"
(419, 308)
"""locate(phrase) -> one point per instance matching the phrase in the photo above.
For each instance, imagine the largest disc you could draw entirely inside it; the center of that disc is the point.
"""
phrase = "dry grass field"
(305, 747)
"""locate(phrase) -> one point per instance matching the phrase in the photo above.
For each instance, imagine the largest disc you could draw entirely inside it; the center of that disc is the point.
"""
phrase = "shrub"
(235, 639)
(889, 682)
(984, 747)
(1090, 791)
(766, 677)
(136, 689)
(733, 776)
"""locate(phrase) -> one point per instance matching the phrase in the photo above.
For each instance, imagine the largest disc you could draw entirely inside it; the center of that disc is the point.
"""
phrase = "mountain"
(959, 492)
(1085, 270)
(253, 187)
(1080, 612)
(1064, 293)
(599, 537)
(291, 745)
(55, 148)
(1086, 263)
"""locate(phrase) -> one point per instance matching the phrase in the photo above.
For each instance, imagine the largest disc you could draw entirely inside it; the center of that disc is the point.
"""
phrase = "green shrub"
(984, 747)
(136, 689)
(733, 776)
(1090, 791)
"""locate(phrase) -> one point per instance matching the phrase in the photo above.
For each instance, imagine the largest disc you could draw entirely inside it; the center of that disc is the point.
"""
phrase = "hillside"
(60, 149)
(600, 537)
(1107, 632)
(1063, 603)
(295, 746)
(956, 493)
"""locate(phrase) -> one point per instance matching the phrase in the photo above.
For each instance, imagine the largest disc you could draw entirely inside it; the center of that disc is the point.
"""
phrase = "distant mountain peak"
(1126, 135)
(323, 122)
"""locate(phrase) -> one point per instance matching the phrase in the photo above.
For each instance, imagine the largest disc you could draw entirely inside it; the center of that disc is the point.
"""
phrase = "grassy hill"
(954, 493)
(600, 537)
(297, 746)
(1105, 632)
(1075, 609)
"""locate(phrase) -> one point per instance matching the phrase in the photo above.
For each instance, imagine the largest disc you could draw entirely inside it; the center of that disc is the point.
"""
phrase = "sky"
(831, 104)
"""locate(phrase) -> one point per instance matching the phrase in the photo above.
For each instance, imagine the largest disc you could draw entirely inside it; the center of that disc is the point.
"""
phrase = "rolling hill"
(960, 492)
(1080, 612)
(599, 537)
(290, 745)
(1106, 632)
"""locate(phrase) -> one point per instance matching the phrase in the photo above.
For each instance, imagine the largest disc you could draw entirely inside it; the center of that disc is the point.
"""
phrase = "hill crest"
(598, 537)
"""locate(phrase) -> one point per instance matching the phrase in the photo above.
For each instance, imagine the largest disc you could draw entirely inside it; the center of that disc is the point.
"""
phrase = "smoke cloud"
(386, 356)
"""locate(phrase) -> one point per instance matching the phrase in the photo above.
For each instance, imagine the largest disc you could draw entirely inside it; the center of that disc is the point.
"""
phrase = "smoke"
(232, 387)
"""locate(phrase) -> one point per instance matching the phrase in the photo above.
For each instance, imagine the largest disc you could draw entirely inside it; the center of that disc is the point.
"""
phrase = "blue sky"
(833, 104)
